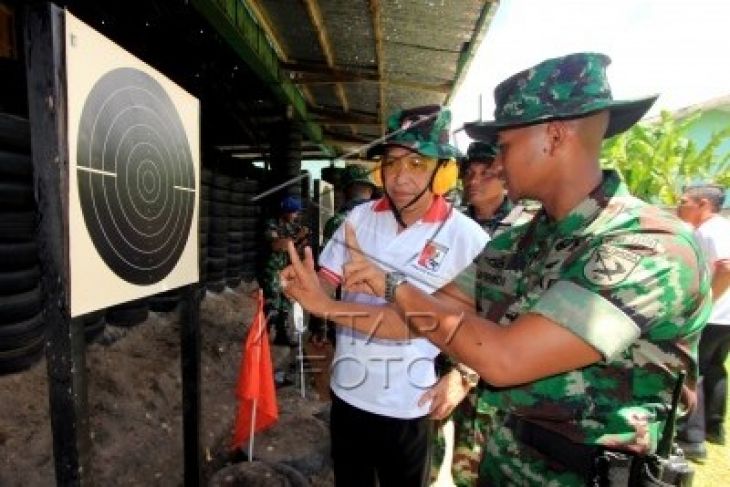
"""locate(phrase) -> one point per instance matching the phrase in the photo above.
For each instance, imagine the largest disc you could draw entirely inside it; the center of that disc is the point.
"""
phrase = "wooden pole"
(65, 348)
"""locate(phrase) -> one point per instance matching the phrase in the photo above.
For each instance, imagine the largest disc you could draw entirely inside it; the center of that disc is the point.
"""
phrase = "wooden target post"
(116, 159)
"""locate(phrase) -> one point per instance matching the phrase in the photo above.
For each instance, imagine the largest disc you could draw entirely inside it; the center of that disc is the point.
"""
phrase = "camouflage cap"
(421, 129)
(481, 151)
(354, 173)
(566, 87)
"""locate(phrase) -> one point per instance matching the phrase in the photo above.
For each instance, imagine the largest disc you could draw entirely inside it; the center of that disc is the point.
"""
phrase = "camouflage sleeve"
(623, 287)
(331, 226)
(271, 231)
(466, 280)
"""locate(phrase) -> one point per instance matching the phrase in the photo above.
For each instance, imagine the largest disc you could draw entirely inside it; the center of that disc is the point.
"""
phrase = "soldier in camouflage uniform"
(590, 311)
(489, 206)
(484, 189)
(358, 188)
(278, 231)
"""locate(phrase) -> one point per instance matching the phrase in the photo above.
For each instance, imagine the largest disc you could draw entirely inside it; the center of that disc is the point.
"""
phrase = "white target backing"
(133, 175)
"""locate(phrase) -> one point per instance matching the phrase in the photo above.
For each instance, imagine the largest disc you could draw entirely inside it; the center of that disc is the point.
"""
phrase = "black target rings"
(136, 176)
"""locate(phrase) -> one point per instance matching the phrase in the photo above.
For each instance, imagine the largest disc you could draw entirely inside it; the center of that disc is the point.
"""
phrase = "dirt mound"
(135, 415)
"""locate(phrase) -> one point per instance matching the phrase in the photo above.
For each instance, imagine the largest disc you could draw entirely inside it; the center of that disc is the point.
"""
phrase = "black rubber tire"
(249, 235)
(17, 335)
(233, 282)
(217, 252)
(216, 286)
(14, 133)
(206, 176)
(16, 166)
(237, 210)
(222, 181)
(214, 276)
(205, 192)
(222, 195)
(23, 358)
(219, 224)
(18, 255)
(216, 264)
(249, 257)
(17, 226)
(127, 317)
(245, 186)
(164, 304)
(235, 249)
(238, 223)
(235, 237)
(219, 209)
(249, 245)
(19, 307)
(16, 195)
(241, 198)
(14, 282)
(94, 329)
(218, 239)
(234, 261)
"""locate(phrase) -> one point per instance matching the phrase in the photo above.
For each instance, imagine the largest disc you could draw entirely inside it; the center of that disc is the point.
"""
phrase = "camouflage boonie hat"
(356, 174)
(479, 152)
(421, 129)
(567, 87)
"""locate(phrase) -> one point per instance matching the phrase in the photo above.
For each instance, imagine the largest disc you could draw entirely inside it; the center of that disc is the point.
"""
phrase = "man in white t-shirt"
(700, 207)
(384, 385)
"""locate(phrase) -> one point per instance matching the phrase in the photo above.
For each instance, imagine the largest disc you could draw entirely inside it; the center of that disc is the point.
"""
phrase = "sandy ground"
(134, 401)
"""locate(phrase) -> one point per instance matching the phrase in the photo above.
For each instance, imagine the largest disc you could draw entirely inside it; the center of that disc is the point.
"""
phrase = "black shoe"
(716, 437)
(693, 451)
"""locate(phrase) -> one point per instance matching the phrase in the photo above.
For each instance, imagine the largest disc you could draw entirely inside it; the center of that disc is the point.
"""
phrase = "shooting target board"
(134, 158)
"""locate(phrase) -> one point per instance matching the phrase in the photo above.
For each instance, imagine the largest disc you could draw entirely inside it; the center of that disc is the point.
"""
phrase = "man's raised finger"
(352, 243)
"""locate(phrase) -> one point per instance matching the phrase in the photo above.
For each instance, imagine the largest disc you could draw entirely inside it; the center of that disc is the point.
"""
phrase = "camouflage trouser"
(469, 438)
(509, 462)
(486, 452)
(277, 306)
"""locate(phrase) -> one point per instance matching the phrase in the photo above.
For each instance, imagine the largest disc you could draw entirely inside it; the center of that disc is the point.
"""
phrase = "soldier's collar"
(588, 209)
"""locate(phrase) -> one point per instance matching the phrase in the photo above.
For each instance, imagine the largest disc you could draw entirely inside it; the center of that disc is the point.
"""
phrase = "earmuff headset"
(444, 178)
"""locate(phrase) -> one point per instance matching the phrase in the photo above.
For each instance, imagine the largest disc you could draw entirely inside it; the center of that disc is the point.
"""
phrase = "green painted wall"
(709, 122)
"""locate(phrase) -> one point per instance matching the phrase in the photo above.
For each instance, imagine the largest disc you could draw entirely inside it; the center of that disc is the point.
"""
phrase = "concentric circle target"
(136, 177)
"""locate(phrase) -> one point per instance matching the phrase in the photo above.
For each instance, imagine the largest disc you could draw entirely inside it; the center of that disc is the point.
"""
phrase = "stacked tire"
(128, 314)
(293, 164)
(22, 328)
(245, 219)
(94, 324)
(165, 302)
(206, 177)
(218, 238)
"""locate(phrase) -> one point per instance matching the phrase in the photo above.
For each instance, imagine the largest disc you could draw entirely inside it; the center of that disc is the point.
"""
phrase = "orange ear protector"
(445, 178)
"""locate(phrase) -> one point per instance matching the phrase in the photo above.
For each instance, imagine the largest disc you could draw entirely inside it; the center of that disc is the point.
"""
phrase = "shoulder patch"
(609, 265)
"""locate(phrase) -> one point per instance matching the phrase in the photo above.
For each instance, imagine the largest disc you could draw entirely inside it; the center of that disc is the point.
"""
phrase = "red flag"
(255, 390)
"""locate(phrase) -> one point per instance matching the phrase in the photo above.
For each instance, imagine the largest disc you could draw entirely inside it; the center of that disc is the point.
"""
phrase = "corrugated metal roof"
(369, 57)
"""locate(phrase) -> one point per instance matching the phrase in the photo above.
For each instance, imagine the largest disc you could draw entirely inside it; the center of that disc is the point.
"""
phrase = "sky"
(678, 49)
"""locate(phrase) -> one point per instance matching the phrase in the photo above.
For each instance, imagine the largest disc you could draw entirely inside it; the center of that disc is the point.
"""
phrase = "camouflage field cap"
(481, 151)
(566, 87)
(354, 173)
(421, 129)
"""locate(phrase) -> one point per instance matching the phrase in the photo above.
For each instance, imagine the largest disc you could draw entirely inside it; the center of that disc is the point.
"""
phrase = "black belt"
(576, 457)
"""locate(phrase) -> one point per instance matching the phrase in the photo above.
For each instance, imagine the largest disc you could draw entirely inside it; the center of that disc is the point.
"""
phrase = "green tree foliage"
(657, 160)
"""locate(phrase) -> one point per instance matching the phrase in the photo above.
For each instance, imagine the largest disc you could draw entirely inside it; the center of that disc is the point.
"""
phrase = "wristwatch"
(392, 281)
(468, 376)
